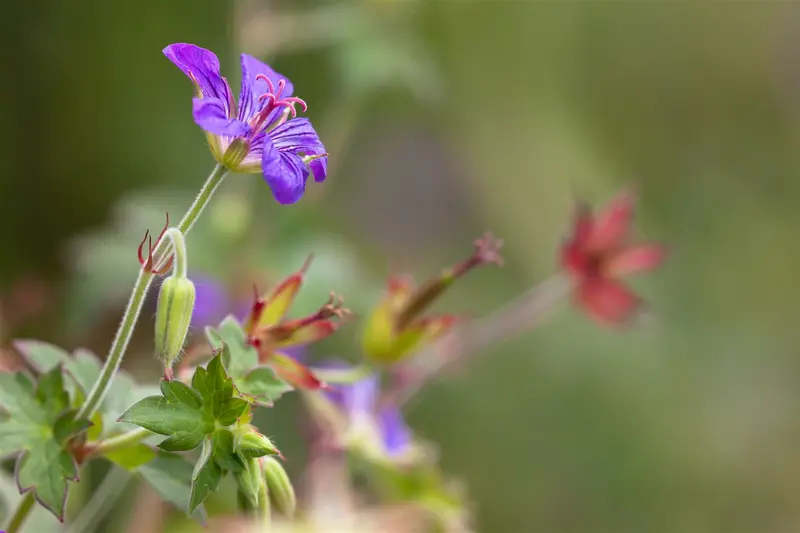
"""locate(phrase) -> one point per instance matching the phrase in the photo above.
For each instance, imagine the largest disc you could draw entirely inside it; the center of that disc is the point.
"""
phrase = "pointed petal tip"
(608, 302)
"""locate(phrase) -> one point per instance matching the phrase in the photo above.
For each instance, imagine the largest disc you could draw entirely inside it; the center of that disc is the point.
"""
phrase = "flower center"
(274, 99)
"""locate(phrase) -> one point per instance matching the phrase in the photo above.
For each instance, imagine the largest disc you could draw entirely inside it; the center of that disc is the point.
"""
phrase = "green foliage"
(38, 424)
(209, 414)
(83, 368)
(171, 476)
(257, 384)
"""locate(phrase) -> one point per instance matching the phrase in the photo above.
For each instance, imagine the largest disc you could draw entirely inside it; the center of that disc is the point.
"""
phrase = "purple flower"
(257, 135)
(361, 402)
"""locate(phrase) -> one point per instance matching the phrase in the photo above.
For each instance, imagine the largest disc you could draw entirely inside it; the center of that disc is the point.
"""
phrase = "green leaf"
(41, 355)
(178, 392)
(262, 385)
(45, 469)
(195, 416)
(36, 424)
(223, 451)
(181, 442)
(171, 476)
(133, 458)
(240, 360)
(206, 477)
(237, 356)
(66, 425)
(230, 410)
(185, 425)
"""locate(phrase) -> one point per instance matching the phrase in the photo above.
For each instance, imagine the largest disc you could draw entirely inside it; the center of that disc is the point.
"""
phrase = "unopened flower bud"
(249, 482)
(254, 444)
(279, 486)
(173, 315)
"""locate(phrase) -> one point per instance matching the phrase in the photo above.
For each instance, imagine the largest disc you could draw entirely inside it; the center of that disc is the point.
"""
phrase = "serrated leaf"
(50, 391)
(238, 356)
(262, 384)
(66, 426)
(206, 477)
(182, 442)
(35, 424)
(231, 410)
(159, 415)
(178, 392)
(240, 359)
(45, 470)
(132, 458)
(171, 476)
(223, 451)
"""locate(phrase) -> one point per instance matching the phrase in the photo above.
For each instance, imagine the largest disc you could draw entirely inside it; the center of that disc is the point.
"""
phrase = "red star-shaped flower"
(599, 254)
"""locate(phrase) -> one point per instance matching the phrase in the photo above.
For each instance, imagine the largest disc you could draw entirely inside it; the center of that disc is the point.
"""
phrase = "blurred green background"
(445, 118)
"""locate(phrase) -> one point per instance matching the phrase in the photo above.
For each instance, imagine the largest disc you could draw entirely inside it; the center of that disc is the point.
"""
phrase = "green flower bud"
(254, 444)
(249, 482)
(279, 486)
(173, 315)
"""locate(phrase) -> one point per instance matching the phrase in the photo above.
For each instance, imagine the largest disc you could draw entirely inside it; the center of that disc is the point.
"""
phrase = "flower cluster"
(66, 415)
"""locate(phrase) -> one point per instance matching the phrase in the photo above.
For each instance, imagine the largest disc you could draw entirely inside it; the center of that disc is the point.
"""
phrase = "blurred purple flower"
(212, 302)
(256, 135)
(361, 402)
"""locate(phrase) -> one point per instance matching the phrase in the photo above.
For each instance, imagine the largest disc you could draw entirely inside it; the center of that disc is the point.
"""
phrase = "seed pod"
(279, 486)
(249, 482)
(254, 444)
(173, 315)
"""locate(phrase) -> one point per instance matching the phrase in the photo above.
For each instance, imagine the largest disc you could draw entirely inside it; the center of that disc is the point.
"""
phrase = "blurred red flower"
(599, 253)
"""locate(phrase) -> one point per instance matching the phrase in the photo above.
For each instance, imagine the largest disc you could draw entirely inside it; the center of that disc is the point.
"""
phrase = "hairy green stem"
(143, 282)
(21, 514)
(179, 248)
(119, 442)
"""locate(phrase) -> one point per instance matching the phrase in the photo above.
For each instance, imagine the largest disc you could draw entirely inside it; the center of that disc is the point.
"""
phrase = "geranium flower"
(259, 134)
(598, 254)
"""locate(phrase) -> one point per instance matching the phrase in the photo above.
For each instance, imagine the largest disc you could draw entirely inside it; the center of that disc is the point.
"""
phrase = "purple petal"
(211, 303)
(394, 432)
(298, 353)
(357, 399)
(319, 167)
(211, 115)
(297, 136)
(202, 66)
(252, 88)
(284, 172)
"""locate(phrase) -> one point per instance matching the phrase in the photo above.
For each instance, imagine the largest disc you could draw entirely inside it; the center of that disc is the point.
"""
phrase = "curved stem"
(21, 513)
(143, 282)
(118, 442)
(179, 249)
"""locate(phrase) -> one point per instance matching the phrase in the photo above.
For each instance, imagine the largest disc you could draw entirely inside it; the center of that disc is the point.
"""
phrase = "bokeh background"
(445, 118)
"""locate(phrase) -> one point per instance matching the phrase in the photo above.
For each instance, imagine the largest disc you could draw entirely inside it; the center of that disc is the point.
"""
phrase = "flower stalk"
(143, 281)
